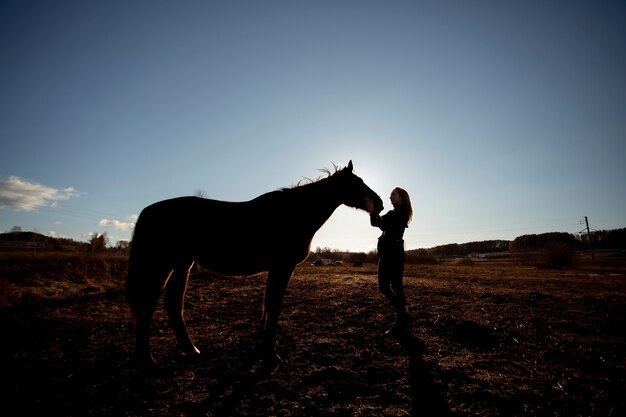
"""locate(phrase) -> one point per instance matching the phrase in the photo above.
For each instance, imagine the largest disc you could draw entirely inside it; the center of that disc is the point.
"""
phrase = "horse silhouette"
(272, 233)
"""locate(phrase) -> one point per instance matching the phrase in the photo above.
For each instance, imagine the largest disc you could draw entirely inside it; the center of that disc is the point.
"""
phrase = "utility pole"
(589, 237)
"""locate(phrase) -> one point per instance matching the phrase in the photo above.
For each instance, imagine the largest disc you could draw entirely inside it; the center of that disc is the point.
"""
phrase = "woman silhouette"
(391, 255)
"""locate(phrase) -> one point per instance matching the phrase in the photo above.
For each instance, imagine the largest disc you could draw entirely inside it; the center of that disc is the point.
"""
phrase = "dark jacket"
(392, 224)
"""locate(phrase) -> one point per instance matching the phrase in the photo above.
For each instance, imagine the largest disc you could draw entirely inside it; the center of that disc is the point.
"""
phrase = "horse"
(271, 233)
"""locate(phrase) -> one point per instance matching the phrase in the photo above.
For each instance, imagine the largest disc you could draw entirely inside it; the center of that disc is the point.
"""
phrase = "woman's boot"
(400, 325)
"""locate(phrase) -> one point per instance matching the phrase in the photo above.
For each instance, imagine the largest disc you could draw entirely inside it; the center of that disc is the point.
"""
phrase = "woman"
(391, 253)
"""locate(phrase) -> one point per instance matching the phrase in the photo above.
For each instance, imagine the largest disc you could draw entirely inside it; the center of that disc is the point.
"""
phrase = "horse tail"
(133, 279)
(140, 288)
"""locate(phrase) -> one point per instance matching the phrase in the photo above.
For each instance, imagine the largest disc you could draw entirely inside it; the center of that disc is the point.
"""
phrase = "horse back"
(228, 237)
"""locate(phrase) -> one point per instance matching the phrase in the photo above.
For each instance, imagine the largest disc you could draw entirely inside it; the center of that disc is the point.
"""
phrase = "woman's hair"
(406, 202)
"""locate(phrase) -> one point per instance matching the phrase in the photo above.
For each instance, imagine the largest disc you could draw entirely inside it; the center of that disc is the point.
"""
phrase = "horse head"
(354, 192)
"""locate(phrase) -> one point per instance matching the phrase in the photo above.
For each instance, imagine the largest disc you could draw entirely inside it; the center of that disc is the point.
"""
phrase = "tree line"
(98, 242)
(602, 239)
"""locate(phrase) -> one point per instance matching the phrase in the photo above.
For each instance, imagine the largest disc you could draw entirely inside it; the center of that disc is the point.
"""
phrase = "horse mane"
(305, 181)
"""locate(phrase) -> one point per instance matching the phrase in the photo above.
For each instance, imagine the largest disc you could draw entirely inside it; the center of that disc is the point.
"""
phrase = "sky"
(500, 118)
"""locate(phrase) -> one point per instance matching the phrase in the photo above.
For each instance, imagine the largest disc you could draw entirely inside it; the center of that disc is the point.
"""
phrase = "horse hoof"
(270, 361)
(188, 350)
(145, 358)
(267, 358)
(267, 366)
(147, 364)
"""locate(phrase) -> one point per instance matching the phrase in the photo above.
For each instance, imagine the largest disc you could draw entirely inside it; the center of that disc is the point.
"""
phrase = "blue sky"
(500, 118)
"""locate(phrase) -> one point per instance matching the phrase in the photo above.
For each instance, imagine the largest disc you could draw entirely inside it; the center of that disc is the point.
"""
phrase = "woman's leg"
(385, 274)
(397, 285)
(390, 276)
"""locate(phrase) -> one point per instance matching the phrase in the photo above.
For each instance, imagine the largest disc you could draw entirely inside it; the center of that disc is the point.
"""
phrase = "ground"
(489, 339)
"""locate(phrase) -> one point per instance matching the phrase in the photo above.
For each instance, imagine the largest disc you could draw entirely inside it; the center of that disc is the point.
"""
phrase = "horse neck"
(319, 201)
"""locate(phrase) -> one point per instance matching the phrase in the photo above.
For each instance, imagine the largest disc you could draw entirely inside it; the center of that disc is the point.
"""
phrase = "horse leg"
(143, 317)
(174, 305)
(143, 305)
(277, 281)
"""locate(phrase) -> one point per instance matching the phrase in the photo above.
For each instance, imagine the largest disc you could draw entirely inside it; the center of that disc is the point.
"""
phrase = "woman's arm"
(376, 220)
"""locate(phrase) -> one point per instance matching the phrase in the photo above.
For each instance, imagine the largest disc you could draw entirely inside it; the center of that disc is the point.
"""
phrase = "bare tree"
(98, 242)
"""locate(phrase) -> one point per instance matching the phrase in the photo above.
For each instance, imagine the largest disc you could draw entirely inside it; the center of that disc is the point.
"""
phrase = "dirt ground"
(489, 339)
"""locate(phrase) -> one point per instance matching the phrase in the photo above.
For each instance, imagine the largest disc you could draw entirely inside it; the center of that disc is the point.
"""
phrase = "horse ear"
(349, 167)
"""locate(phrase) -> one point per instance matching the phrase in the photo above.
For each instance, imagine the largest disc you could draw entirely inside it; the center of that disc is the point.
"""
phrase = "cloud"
(21, 195)
(54, 234)
(120, 225)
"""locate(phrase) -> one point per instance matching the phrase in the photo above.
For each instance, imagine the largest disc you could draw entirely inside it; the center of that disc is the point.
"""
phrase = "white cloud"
(52, 233)
(21, 195)
(120, 225)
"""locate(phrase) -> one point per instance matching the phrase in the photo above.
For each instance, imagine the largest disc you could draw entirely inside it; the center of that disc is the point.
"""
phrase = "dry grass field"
(489, 339)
